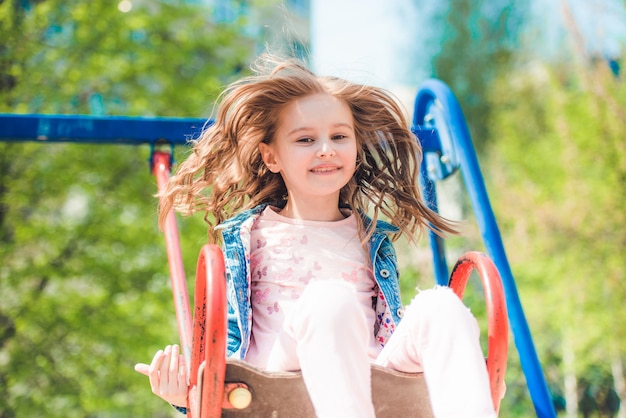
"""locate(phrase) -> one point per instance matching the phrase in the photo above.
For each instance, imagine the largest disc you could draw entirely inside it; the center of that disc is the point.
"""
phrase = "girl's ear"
(268, 157)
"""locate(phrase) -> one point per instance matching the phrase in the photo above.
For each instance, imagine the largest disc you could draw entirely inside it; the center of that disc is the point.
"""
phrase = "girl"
(295, 173)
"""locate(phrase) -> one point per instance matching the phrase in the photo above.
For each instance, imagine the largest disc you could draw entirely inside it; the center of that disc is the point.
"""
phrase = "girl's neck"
(313, 211)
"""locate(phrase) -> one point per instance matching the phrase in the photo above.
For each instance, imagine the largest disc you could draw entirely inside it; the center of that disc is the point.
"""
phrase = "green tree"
(557, 172)
(83, 270)
(550, 137)
(478, 41)
(77, 56)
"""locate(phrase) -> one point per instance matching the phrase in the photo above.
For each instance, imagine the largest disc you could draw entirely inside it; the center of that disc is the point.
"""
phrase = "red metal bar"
(208, 362)
(498, 325)
(161, 170)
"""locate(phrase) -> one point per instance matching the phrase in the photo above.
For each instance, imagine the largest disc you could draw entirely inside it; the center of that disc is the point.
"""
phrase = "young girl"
(295, 173)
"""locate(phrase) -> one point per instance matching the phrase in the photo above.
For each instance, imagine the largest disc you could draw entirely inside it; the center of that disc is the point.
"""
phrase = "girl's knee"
(331, 311)
(438, 298)
(440, 306)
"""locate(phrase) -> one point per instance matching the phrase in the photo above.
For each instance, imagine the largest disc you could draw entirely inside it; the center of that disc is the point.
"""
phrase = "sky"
(360, 39)
(369, 40)
(366, 41)
(601, 22)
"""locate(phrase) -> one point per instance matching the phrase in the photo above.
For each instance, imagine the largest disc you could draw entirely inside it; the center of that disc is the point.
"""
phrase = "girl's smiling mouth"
(325, 169)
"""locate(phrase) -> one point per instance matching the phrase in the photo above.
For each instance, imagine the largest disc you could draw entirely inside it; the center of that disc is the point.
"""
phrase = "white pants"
(327, 338)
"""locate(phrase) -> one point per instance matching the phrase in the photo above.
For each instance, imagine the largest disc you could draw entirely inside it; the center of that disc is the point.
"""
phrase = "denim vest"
(236, 236)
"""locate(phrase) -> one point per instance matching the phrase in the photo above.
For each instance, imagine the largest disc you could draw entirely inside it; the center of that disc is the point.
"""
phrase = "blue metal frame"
(442, 130)
(98, 129)
(437, 109)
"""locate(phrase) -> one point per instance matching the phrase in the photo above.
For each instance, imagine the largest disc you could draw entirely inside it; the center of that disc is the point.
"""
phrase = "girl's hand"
(168, 377)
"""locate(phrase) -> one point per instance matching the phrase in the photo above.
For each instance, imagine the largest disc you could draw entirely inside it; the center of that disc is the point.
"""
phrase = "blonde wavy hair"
(225, 174)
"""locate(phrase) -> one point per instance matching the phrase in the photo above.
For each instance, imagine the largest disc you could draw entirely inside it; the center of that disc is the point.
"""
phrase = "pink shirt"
(286, 255)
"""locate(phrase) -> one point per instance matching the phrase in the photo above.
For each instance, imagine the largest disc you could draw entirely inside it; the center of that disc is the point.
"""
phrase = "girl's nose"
(326, 148)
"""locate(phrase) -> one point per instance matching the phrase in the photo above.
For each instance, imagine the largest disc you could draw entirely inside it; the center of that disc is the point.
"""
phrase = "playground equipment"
(439, 124)
(232, 388)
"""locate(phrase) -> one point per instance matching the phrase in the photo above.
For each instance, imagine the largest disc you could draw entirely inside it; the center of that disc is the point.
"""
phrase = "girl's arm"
(168, 378)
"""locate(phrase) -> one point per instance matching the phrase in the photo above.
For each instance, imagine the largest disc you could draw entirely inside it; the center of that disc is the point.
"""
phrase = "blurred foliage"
(83, 269)
(160, 58)
(558, 176)
(550, 135)
(84, 279)
(478, 42)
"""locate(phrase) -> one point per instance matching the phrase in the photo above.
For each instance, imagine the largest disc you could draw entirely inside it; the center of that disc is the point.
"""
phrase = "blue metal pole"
(437, 245)
(430, 142)
(133, 130)
(435, 90)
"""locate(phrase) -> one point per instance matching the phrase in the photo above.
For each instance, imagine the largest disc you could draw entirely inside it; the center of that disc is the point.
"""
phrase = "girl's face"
(314, 149)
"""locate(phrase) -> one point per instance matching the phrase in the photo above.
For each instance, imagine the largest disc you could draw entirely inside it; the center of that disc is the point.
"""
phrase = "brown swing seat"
(283, 394)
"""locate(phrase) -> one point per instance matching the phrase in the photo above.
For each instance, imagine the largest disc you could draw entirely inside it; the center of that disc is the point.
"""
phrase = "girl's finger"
(182, 375)
(142, 368)
(165, 368)
(153, 371)
(174, 359)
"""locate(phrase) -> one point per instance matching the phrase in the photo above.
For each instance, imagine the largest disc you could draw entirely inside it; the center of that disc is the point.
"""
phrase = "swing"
(441, 128)
(222, 387)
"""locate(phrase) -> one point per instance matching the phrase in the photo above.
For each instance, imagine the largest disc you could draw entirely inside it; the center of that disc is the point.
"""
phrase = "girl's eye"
(339, 137)
(305, 140)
